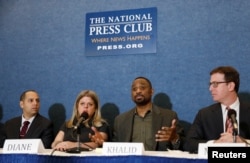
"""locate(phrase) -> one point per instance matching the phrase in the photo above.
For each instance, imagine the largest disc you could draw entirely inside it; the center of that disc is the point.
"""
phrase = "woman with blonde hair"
(85, 120)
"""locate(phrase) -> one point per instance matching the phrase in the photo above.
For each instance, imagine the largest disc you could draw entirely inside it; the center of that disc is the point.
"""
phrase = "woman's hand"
(64, 145)
(97, 138)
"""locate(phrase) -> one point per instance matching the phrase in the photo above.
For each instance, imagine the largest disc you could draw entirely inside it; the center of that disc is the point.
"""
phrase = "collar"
(30, 120)
(234, 106)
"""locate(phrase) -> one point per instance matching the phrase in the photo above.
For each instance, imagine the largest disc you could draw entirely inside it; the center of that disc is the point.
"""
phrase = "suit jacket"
(41, 128)
(1, 135)
(123, 126)
(208, 125)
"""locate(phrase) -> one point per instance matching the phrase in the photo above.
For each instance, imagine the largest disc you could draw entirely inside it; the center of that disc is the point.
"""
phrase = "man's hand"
(227, 137)
(167, 133)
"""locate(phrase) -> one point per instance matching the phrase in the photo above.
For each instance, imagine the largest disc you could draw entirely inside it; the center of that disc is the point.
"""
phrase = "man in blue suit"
(209, 123)
(39, 126)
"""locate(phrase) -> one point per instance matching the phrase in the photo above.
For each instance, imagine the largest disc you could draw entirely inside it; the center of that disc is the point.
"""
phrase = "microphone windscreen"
(85, 115)
(231, 112)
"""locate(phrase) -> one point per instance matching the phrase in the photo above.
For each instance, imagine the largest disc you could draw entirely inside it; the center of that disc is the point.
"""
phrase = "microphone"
(232, 115)
(83, 117)
(78, 149)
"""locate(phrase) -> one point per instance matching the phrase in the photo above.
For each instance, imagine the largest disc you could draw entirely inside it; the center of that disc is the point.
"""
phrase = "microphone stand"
(235, 133)
(77, 149)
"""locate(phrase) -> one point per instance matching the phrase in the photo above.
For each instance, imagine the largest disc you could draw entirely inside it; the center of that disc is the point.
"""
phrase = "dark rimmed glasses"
(215, 84)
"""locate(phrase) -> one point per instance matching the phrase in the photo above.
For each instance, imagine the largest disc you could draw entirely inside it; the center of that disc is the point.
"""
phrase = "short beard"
(141, 103)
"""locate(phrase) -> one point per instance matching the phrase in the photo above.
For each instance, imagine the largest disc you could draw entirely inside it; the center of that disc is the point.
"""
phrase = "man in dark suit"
(157, 128)
(209, 125)
(39, 127)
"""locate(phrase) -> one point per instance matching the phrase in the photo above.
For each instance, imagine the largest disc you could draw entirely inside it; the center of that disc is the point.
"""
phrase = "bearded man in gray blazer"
(157, 128)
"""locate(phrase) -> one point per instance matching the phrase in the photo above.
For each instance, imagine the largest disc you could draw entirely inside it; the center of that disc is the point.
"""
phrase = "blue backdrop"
(42, 48)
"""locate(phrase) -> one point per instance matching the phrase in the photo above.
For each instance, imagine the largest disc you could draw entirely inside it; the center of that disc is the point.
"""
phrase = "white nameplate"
(121, 148)
(203, 147)
(23, 146)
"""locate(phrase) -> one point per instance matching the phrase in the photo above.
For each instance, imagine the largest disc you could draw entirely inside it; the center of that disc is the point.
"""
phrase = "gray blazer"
(123, 126)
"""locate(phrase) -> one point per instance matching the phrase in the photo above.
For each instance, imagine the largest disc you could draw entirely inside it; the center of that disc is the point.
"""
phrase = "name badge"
(23, 146)
(203, 147)
(121, 148)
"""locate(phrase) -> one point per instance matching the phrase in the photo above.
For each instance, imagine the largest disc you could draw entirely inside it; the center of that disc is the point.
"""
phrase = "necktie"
(229, 126)
(24, 129)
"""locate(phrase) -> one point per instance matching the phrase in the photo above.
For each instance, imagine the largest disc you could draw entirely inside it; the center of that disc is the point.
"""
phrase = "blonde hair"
(97, 119)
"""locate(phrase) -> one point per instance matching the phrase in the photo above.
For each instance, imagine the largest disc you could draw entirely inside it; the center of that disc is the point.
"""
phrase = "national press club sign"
(121, 32)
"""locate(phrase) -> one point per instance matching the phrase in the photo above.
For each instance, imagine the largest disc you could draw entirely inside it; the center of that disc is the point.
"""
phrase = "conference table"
(96, 156)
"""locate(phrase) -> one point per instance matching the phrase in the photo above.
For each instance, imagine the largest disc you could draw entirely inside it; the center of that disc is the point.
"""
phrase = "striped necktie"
(228, 124)
(24, 129)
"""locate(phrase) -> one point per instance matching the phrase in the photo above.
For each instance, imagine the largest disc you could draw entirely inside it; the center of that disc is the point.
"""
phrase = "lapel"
(156, 122)
(128, 125)
(243, 111)
(217, 117)
(16, 127)
(33, 126)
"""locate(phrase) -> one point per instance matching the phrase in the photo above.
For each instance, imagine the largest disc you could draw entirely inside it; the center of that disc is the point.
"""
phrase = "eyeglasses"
(215, 84)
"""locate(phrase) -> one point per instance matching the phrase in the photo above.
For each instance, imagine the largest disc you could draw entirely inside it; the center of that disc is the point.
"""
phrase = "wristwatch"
(176, 143)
